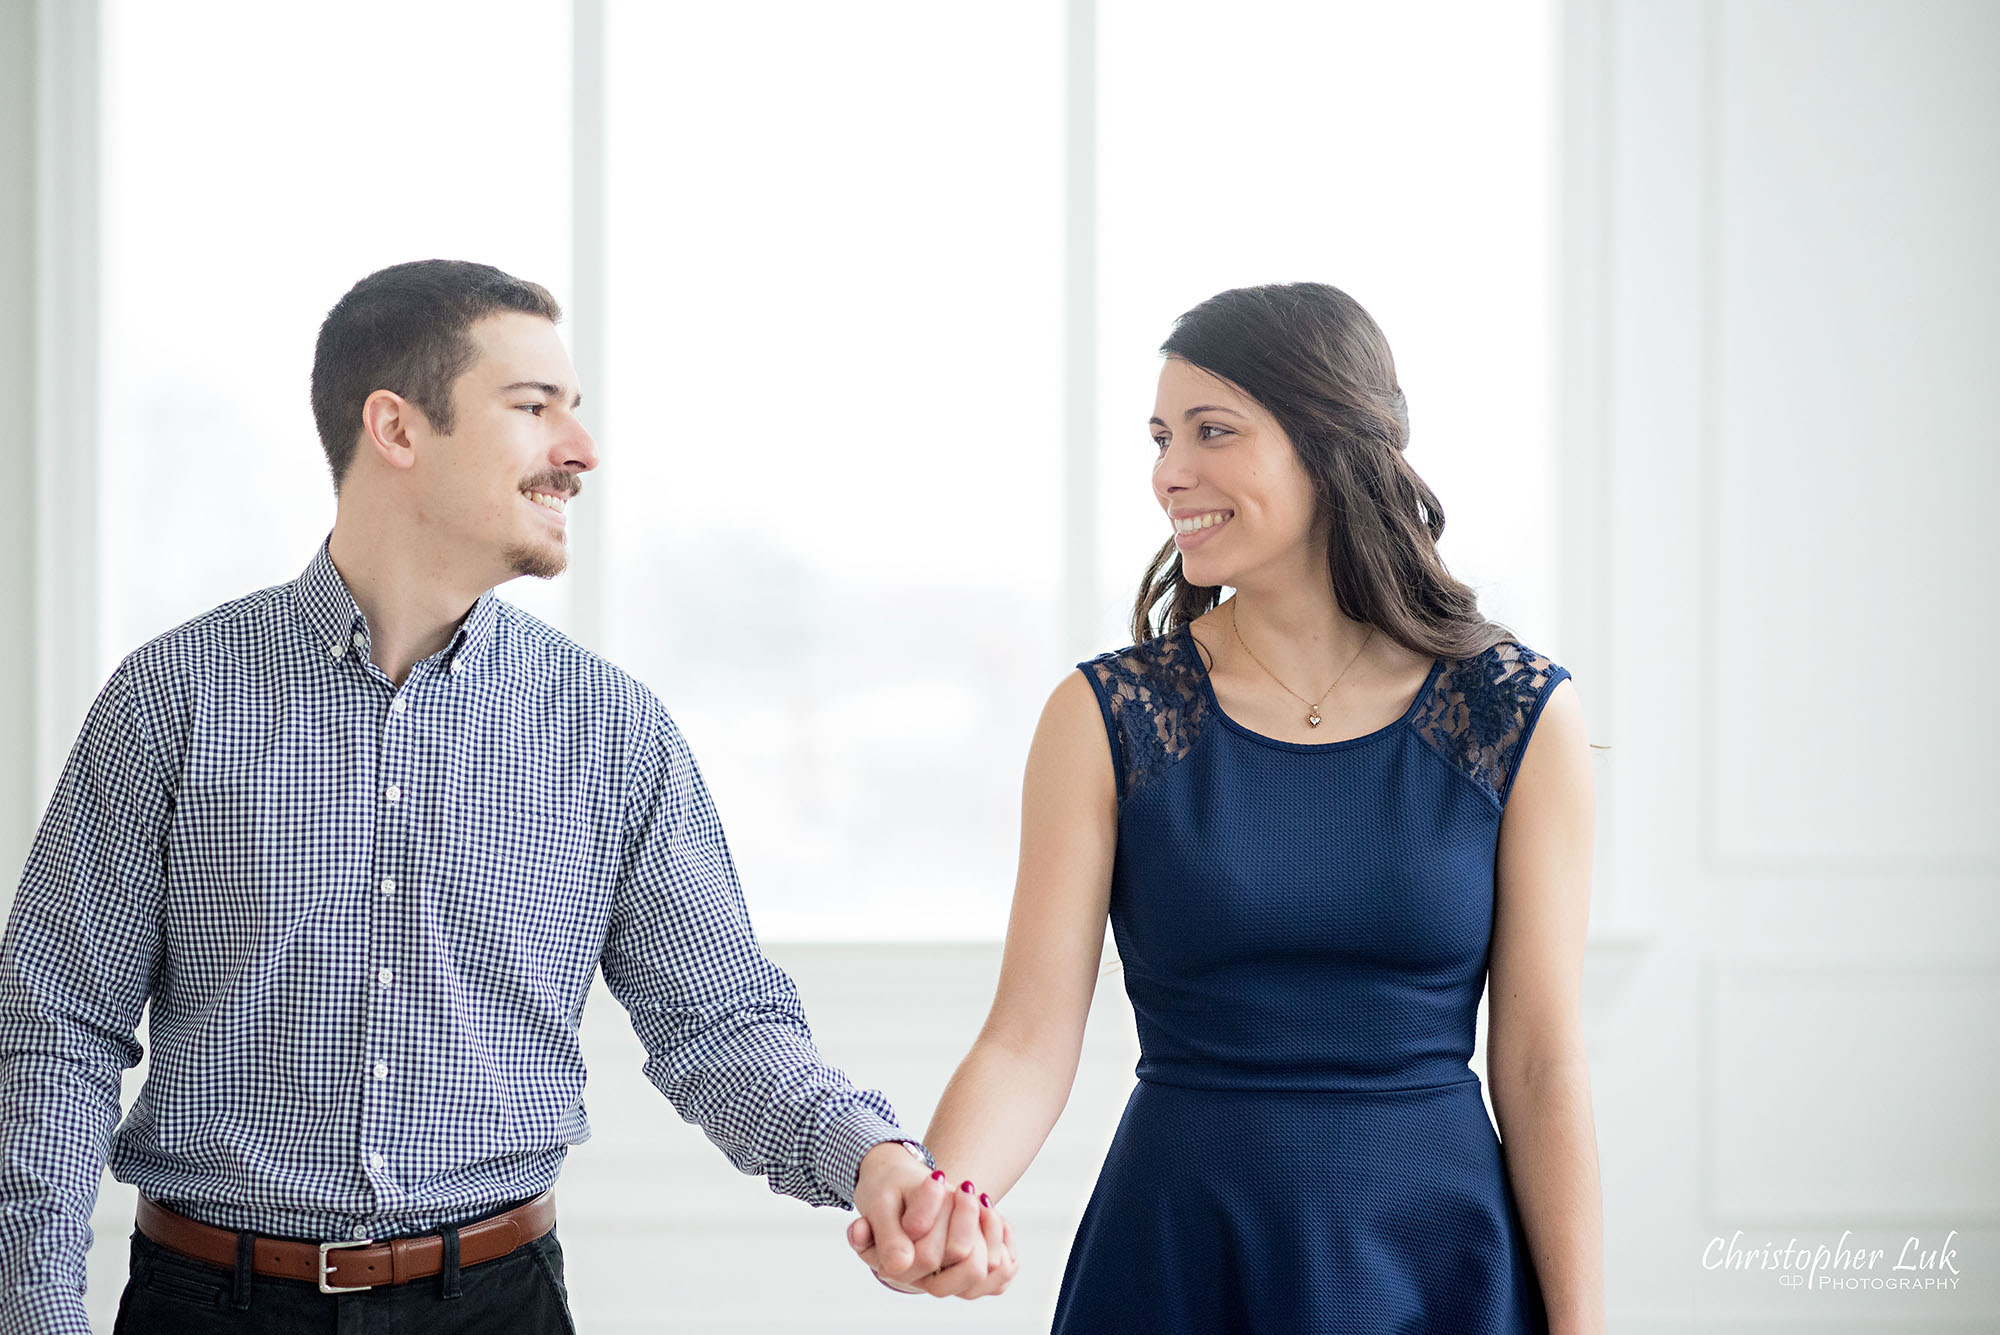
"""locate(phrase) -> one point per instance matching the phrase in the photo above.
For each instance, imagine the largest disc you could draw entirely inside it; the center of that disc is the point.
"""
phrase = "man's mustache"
(558, 483)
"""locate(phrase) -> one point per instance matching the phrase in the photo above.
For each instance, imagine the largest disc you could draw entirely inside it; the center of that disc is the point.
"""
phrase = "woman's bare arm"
(1535, 1063)
(1006, 1095)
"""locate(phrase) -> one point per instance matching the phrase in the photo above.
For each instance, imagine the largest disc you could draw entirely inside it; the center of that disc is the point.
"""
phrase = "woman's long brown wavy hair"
(1318, 363)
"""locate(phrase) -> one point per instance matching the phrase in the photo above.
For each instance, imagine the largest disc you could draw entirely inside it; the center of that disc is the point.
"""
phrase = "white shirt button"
(388, 885)
(381, 1071)
(361, 1230)
(392, 793)
(384, 977)
(359, 639)
(456, 664)
(376, 1162)
(400, 706)
(338, 650)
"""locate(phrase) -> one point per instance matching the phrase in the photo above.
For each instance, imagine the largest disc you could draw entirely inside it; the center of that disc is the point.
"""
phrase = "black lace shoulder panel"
(1153, 705)
(1482, 710)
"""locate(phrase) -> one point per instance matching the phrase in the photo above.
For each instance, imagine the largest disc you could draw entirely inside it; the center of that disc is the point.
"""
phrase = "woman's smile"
(1193, 528)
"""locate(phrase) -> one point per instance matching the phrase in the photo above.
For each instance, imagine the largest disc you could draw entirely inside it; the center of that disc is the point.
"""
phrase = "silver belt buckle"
(325, 1287)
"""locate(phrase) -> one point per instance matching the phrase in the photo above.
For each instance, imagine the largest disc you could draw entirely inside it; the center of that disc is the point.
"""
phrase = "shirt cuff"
(847, 1141)
(43, 1311)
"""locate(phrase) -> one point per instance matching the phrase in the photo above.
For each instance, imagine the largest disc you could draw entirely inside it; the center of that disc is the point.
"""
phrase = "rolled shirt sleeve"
(724, 1030)
(76, 961)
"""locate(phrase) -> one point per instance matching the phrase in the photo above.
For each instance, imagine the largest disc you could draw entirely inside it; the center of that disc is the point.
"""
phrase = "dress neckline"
(1208, 694)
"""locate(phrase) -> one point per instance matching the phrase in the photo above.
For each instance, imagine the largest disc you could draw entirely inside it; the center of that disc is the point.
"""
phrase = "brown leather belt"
(356, 1265)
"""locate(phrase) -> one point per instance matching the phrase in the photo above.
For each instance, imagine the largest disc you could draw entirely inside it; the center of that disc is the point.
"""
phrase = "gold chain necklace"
(1312, 706)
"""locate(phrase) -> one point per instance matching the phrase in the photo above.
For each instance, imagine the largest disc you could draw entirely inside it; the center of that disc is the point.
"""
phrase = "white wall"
(1784, 279)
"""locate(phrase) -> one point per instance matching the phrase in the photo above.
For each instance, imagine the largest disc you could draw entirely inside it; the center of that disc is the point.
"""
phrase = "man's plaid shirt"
(366, 918)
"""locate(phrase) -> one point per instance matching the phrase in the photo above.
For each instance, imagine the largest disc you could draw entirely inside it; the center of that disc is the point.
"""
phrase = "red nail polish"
(965, 1186)
(938, 1175)
(985, 1200)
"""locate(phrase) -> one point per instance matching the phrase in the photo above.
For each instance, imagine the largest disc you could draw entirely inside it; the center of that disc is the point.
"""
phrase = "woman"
(1309, 885)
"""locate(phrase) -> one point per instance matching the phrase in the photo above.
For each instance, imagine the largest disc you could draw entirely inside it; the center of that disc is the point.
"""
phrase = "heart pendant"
(1313, 718)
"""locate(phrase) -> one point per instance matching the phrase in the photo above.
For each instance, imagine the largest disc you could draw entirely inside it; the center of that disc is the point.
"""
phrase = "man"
(361, 842)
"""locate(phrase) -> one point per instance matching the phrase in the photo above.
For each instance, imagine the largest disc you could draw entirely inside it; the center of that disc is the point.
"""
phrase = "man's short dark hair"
(405, 329)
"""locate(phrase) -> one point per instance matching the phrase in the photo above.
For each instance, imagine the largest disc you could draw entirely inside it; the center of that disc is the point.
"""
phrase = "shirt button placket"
(380, 947)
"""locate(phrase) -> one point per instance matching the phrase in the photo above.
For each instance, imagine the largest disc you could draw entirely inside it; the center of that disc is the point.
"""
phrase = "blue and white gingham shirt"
(366, 918)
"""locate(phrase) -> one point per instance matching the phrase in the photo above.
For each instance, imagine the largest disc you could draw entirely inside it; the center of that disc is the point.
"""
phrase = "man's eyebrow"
(543, 387)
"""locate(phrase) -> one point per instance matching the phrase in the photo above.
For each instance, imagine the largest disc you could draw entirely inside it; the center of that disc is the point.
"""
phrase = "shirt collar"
(334, 618)
(473, 644)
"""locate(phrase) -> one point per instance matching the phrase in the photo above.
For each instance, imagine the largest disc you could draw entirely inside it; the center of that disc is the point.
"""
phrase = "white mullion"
(1080, 631)
(68, 600)
(588, 545)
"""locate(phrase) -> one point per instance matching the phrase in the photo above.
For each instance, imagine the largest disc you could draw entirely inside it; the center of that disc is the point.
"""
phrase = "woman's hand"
(974, 1246)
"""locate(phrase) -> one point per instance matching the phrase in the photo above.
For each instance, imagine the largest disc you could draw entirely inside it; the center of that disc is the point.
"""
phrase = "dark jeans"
(169, 1294)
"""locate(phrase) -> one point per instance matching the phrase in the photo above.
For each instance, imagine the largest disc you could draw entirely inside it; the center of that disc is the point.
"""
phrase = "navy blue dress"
(1305, 931)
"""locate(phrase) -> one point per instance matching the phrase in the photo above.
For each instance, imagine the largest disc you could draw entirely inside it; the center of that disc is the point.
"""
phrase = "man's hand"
(901, 1203)
(909, 1234)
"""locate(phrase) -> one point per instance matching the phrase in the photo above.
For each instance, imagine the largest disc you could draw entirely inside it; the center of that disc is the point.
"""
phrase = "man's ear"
(387, 421)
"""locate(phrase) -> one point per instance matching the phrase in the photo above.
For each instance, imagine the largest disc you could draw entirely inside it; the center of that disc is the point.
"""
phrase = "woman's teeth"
(1191, 523)
(547, 501)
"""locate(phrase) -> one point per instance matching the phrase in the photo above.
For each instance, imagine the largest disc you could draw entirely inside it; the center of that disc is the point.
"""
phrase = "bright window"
(258, 160)
(831, 404)
(835, 439)
(1400, 153)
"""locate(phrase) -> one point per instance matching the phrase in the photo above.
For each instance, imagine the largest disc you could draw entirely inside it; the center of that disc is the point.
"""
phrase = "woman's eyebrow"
(1196, 412)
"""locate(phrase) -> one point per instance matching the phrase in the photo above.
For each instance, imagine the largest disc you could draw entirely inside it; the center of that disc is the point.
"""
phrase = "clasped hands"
(921, 1233)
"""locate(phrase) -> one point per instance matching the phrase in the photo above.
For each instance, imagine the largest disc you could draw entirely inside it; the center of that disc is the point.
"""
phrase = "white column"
(17, 454)
(48, 327)
(65, 254)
